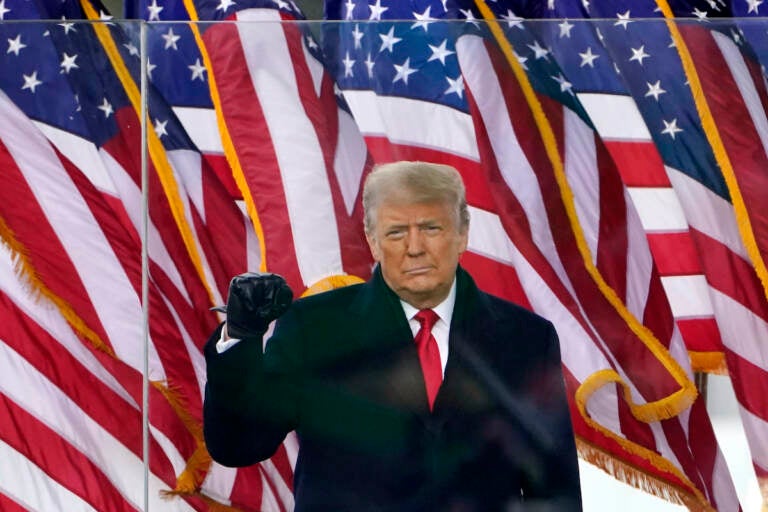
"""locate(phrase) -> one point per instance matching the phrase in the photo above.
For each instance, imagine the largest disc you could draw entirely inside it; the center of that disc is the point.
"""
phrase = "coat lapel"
(377, 312)
(379, 315)
(472, 327)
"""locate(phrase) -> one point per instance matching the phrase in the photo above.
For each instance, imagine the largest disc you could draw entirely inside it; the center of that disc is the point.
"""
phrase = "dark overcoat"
(342, 371)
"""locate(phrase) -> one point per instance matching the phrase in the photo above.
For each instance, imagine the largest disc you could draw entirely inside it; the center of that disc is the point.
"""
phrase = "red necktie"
(429, 354)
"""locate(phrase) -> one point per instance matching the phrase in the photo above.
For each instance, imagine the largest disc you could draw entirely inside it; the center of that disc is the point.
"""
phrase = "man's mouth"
(418, 270)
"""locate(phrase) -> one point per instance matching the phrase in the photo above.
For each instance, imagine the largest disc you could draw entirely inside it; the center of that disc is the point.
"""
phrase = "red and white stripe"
(618, 250)
(276, 105)
(735, 91)
(84, 250)
(618, 121)
(72, 429)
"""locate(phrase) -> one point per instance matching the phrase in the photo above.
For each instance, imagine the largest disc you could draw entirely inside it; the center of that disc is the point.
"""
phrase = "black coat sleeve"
(250, 397)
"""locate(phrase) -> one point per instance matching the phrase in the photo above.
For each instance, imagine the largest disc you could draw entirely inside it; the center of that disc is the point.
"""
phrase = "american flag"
(71, 150)
(695, 91)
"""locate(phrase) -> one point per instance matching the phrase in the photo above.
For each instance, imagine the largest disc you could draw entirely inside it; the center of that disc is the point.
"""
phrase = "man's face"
(418, 247)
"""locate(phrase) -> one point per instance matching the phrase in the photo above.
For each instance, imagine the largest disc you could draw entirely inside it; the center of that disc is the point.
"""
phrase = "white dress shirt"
(442, 326)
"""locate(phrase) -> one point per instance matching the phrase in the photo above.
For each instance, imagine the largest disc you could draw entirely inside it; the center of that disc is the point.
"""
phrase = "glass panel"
(70, 223)
(614, 172)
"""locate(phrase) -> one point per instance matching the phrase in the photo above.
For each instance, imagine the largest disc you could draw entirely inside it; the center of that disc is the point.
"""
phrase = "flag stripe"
(36, 491)
(6, 503)
(301, 164)
(62, 462)
(78, 429)
(249, 130)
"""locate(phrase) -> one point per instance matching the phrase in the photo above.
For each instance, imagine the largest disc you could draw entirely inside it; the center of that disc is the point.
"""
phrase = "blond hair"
(415, 182)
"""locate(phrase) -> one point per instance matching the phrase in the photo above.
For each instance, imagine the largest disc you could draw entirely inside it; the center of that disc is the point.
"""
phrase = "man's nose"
(414, 241)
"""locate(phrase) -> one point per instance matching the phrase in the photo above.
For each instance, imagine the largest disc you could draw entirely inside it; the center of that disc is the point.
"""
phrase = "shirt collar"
(444, 310)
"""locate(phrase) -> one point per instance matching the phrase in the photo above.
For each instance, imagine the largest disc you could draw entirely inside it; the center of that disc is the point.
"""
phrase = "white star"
(67, 63)
(702, 15)
(132, 50)
(171, 39)
(67, 26)
(389, 40)
(538, 51)
(369, 64)
(160, 128)
(639, 54)
(623, 20)
(512, 20)
(565, 85)
(440, 52)
(403, 71)
(154, 11)
(103, 16)
(588, 58)
(311, 42)
(282, 4)
(350, 5)
(671, 128)
(423, 19)
(565, 29)
(654, 90)
(470, 17)
(585, 4)
(15, 45)
(224, 5)
(522, 60)
(150, 68)
(358, 36)
(348, 63)
(754, 5)
(377, 10)
(3, 10)
(106, 107)
(31, 82)
(197, 71)
(455, 86)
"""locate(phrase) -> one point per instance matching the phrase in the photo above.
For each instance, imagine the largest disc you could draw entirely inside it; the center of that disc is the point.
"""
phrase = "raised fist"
(254, 301)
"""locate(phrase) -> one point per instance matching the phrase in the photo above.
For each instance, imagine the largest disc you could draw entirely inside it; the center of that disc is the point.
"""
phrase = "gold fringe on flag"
(155, 147)
(638, 478)
(191, 479)
(666, 407)
(229, 147)
(587, 388)
(24, 269)
(718, 148)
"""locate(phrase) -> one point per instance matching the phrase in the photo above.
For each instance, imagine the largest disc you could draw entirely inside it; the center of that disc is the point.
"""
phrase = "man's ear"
(464, 233)
(373, 246)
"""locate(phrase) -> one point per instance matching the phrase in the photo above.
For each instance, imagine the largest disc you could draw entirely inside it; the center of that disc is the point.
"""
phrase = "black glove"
(254, 301)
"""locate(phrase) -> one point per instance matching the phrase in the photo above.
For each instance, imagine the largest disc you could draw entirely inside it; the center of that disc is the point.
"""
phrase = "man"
(467, 414)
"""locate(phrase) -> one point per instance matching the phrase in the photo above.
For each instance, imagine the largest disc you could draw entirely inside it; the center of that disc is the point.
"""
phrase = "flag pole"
(144, 263)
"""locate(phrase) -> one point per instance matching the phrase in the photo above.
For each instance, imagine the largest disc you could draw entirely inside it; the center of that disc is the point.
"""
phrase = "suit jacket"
(342, 370)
